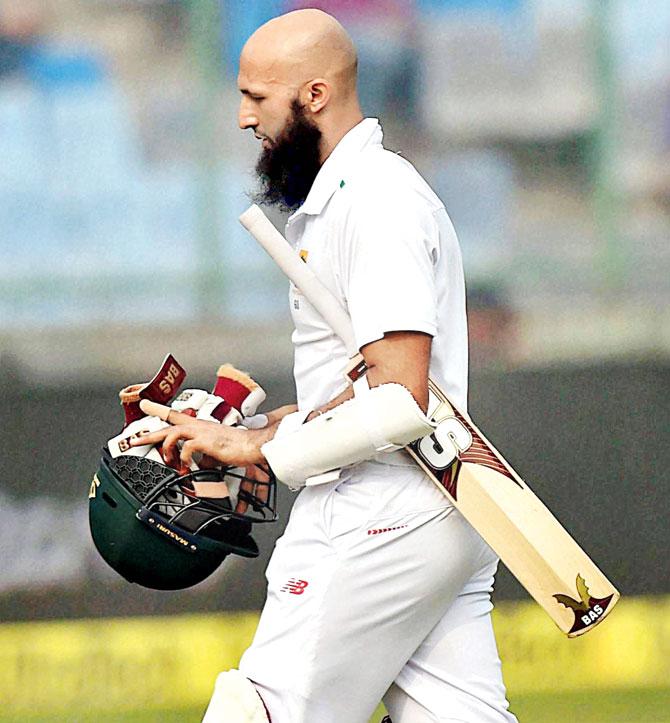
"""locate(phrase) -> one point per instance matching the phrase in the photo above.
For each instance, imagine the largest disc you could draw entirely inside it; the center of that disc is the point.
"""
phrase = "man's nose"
(246, 117)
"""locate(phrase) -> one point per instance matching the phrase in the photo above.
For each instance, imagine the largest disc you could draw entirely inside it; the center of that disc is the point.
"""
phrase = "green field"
(617, 706)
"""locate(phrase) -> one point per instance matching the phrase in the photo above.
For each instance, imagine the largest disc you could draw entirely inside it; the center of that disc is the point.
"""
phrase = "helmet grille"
(139, 474)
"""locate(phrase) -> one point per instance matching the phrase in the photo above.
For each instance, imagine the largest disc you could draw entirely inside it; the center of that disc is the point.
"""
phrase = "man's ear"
(315, 95)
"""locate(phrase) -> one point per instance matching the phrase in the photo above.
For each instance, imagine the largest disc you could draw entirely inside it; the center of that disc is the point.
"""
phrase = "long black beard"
(288, 168)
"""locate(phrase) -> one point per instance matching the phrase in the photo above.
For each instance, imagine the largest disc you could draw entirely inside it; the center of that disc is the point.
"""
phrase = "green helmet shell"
(142, 538)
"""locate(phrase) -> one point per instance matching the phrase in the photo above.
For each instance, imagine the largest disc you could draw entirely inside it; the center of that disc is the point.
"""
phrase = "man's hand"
(227, 445)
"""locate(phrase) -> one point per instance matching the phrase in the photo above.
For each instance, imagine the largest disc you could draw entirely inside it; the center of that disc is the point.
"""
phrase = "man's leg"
(350, 599)
(455, 674)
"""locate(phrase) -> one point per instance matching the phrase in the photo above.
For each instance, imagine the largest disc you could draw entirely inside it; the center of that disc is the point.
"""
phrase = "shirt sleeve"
(388, 268)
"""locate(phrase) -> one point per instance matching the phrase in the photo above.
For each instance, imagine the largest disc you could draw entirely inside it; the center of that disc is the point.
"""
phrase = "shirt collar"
(332, 175)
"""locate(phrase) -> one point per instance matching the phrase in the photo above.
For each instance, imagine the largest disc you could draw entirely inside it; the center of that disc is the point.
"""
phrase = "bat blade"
(522, 531)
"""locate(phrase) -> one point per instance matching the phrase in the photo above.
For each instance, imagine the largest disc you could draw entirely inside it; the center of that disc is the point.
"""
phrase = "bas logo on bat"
(587, 610)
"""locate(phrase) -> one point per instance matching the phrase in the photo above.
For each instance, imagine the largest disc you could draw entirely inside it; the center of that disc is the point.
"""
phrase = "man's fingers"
(171, 453)
(220, 442)
(242, 506)
(162, 411)
(255, 474)
(187, 450)
(151, 438)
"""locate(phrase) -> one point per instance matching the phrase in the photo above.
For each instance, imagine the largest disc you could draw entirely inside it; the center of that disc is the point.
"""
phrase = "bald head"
(301, 46)
(303, 59)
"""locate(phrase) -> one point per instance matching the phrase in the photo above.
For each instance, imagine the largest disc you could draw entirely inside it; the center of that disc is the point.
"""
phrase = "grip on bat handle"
(251, 217)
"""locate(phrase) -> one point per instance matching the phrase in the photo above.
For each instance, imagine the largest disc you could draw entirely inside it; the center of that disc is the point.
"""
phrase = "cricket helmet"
(155, 526)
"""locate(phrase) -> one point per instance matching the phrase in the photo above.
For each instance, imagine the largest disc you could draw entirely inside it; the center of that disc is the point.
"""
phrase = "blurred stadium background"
(545, 127)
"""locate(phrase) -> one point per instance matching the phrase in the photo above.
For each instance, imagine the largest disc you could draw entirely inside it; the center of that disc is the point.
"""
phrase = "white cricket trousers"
(366, 600)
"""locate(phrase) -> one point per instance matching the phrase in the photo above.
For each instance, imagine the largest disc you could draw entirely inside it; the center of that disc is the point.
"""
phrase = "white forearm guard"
(383, 419)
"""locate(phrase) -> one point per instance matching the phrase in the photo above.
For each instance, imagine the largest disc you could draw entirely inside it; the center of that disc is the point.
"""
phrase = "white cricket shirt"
(379, 238)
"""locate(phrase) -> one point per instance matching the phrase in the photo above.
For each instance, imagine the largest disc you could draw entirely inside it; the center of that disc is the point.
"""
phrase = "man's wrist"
(276, 415)
(257, 438)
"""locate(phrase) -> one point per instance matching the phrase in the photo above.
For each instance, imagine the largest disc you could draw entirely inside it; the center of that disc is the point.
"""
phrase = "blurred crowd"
(543, 124)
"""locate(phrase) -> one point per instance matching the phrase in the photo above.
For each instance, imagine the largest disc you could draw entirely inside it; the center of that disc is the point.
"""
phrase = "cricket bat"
(475, 477)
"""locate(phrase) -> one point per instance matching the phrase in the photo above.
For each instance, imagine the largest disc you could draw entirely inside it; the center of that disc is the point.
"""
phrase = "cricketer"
(379, 588)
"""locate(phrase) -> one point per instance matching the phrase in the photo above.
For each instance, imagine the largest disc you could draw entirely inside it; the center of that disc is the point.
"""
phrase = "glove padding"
(234, 400)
